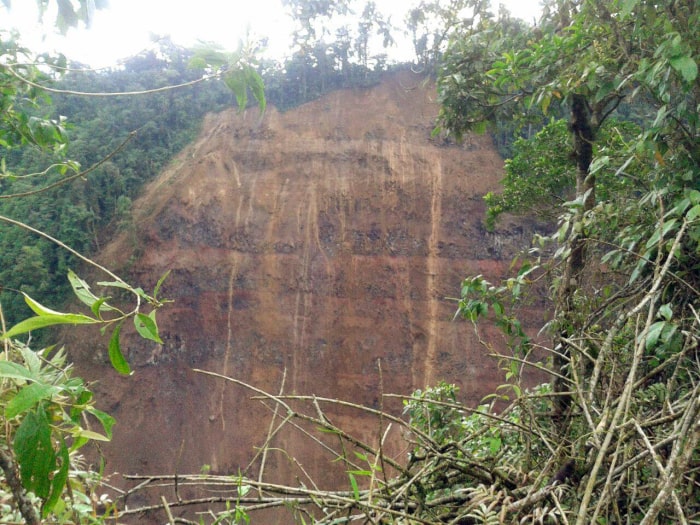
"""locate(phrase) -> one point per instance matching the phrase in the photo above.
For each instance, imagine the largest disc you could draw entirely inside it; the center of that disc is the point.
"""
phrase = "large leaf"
(45, 317)
(236, 82)
(693, 213)
(35, 323)
(654, 333)
(34, 453)
(105, 420)
(116, 357)
(59, 480)
(257, 87)
(686, 66)
(146, 326)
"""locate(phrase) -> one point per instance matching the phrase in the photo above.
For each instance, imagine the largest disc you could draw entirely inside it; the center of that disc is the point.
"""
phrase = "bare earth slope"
(320, 241)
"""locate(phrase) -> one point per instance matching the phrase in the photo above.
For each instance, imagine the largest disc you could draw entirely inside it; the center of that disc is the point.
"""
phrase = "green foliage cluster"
(621, 420)
(47, 413)
(119, 143)
(541, 173)
(47, 416)
(323, 61)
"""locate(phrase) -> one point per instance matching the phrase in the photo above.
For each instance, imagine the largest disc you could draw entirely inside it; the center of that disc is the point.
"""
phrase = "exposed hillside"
(320, 241)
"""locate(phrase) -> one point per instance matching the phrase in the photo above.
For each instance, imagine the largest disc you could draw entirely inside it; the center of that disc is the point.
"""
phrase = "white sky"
(124, 29)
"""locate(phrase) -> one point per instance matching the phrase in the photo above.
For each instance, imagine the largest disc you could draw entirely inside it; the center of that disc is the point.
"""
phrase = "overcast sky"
(125, 27)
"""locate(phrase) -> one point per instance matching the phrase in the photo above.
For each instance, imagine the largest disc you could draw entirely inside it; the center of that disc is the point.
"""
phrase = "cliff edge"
(320, 244)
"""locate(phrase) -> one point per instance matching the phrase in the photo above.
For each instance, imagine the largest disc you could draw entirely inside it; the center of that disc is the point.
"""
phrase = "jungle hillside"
(596, 414)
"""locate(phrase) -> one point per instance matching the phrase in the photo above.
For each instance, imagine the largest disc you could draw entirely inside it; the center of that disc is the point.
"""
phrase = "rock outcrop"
(326, 242)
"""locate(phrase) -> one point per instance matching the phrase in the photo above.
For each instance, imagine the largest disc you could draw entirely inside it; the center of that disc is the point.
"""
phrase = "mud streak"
(433, 268)
(229, 338)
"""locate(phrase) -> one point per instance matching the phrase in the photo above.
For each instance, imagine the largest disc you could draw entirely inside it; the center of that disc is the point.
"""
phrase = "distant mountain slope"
(321, 241)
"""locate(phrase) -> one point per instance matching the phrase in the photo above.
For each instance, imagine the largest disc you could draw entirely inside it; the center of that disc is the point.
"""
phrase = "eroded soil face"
(320, 245)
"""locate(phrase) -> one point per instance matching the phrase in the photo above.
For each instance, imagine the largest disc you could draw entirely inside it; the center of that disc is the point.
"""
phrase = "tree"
(540, 175)
(370, 18)
(68, 14)
(619, 337)
(433, 24)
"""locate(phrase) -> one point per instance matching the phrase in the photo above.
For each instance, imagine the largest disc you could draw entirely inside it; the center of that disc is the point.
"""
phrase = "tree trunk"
(581, 128)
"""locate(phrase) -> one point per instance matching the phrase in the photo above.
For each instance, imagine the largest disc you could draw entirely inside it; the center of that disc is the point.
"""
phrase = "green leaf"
(355, 488)
(89, 434)
(327, 430)
(494, 445)
(666, 312)
(35, 323)
(15, 371)
(694, 196)
(686, 66)
(81, 289)
(146, 326)
(653, 334)
(124, 286)
(546, 101)
(661, 233)
(82, 292)
(101, 305)
(498, 308)
(627, 7)
(693, 213)
(38, 308)
(257, 87)
(638, 268)
(235, 81)
(33, 362)
(28, 397)
(59, 480)
(34, 453)
(78, 442)
(116, 284)
(360, 456)
(116, 357)
(160, 283)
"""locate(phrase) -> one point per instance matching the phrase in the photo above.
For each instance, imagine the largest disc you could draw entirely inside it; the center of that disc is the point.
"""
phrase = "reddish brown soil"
(322, 241)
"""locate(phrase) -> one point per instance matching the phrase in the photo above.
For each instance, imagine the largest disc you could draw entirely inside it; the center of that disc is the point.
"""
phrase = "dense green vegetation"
(606, 97)
(617, 439)
(100, 128)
